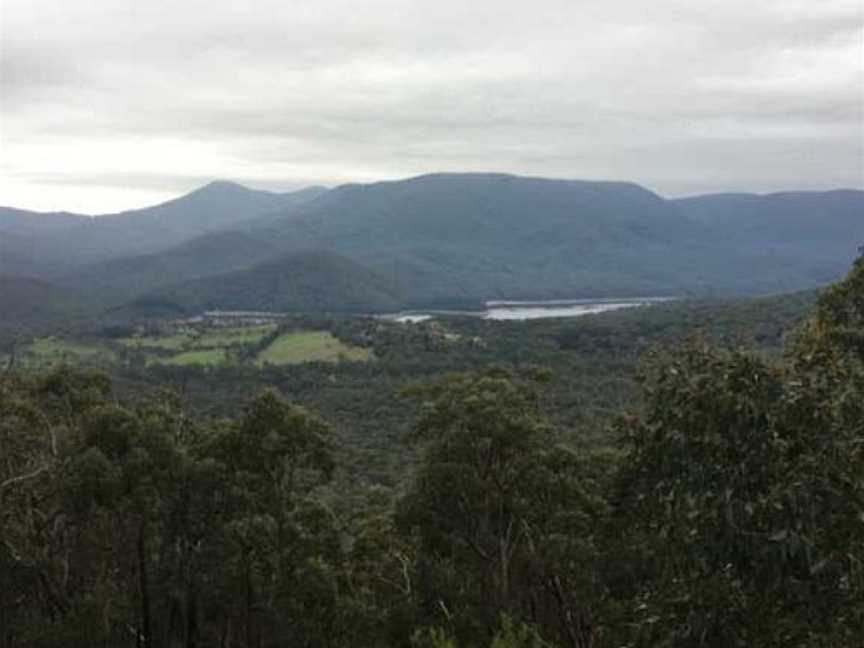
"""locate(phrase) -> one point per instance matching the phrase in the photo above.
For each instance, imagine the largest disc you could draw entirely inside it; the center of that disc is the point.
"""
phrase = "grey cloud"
(749, 96)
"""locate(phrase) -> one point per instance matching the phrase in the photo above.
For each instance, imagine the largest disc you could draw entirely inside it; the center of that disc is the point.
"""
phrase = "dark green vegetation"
(494, 235)
(446, 240)
(807, 231)
(28, 302)
(478, 484)
(52, 245)
(301, 283)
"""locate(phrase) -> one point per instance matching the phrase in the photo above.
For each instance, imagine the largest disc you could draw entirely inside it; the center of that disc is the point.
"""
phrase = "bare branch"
(20, 478)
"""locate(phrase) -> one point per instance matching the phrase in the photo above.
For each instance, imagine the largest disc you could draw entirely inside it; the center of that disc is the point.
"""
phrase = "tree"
(742, 496)
(491, 507)
(272, 458)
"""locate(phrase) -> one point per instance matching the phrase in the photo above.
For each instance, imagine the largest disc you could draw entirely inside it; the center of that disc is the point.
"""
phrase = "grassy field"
(198, 357)
(226, 337)
(168, 342)
(209, 347)
(310, 346)
(50, 351)
(212, 338)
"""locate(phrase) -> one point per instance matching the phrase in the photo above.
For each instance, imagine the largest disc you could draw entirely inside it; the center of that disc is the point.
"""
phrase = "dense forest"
(616, 481)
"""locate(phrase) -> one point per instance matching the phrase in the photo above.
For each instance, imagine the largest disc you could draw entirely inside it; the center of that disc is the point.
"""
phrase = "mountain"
(503, 236)
(817, 231)
(31, 242)
(211, 254)
(312, 281)
(29, 302)
(64, 242)
(215, 206)
(448, 238)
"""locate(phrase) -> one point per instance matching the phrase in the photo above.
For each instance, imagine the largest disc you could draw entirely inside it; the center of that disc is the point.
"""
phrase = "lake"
(527, 310)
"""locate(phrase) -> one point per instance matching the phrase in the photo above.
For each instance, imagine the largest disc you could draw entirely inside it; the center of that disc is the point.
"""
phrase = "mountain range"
(53, 244)
(440, 239)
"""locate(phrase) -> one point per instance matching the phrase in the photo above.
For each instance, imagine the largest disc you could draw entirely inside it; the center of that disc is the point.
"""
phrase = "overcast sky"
(110, 104)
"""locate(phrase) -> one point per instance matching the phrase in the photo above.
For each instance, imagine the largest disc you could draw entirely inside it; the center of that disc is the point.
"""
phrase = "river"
(527, 310)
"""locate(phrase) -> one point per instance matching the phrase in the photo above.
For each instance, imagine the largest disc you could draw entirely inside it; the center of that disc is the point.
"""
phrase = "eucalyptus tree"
(274, 536)
(742, 496)
(498, 510)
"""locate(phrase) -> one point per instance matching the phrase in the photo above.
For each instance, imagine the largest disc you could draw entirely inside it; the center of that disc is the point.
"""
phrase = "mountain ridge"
(470, 236)
(63, 241)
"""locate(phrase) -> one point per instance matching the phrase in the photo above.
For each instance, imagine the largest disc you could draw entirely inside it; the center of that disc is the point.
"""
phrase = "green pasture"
(208, 357)
(49, 351)
(234, 336)
(173, 342)
(310, 346)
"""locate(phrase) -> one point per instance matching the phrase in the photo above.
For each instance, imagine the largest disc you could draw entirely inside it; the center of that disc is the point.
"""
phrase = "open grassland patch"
(209, 338)
(310, 346)
(173, 342)
(233, 336)
(208, 357)
(46, 352)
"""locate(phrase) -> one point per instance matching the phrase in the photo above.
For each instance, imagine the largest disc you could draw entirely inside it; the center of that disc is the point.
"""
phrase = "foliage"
(197, 506)
(503, 515)
(743, 491)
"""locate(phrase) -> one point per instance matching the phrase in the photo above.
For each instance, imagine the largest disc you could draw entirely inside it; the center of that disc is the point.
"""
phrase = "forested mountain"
(28, 302)
(817, 232)
(446, 237)
(313, 281)
(59, 243)
(211, 254)
(495, 235)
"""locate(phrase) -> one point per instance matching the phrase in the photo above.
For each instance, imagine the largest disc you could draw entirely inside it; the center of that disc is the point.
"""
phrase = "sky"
(113, 104)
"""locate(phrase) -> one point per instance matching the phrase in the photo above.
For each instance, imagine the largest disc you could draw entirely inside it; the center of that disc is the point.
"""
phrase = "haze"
(111, 104)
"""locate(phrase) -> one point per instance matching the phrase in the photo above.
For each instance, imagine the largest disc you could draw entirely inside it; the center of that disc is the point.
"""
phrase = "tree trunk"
(191, 617)
(249, 633)
(144, 586)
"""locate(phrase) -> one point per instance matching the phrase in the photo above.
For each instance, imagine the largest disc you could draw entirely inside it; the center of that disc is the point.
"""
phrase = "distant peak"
(222, 185)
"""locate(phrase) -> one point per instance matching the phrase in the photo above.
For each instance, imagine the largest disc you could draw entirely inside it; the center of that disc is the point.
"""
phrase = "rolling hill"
(312, 281)
(28, 302)
(444, 238)
(115, 281)
(500, 236)
(815, 232)
(61, 242)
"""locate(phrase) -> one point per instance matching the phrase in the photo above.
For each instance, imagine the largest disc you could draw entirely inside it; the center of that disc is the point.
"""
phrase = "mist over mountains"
(440, 239)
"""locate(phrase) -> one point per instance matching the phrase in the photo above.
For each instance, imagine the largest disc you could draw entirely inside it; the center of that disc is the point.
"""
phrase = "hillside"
(314, 281)
(445, 238)
(817, 232)
(212, 254)
(64, 242)
(28, 302)
(501, 236)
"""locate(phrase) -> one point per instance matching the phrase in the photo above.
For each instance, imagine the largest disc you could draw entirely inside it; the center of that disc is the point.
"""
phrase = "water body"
(527, 310)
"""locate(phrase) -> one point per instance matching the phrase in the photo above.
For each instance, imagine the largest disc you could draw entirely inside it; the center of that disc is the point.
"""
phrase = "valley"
(431, 324)
(390, 355)
(434, 242)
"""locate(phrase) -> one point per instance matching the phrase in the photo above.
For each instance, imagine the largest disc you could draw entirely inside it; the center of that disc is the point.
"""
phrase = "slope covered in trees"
(118, 281)
(59, 243)
(458, 236)
(496, 235)
(301, 282)
(817, 232)
(29, 302)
